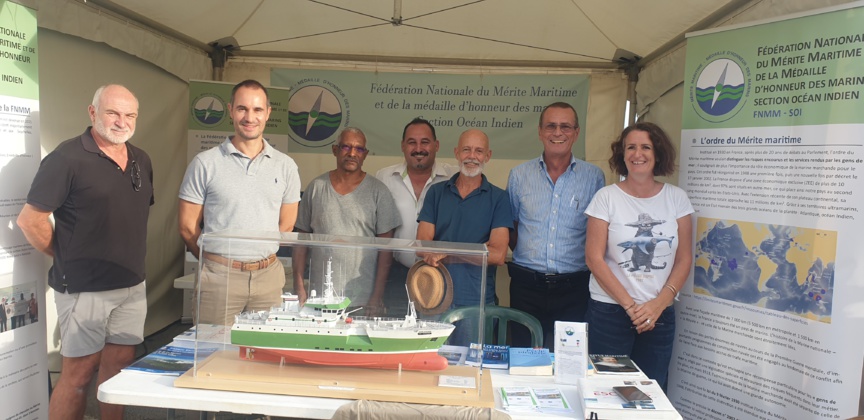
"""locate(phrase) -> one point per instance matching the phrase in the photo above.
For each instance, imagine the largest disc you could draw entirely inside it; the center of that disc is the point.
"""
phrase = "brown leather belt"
(242, 265)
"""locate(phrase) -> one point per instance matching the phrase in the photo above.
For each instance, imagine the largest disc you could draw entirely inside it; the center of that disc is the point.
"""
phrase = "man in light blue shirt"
(548, 196)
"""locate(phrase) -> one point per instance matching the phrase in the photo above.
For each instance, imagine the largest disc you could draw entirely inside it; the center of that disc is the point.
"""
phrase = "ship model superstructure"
(323, 332)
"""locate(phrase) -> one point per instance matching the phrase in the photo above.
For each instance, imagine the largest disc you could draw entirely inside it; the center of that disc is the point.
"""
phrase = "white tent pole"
(632, 78)
(397, 13)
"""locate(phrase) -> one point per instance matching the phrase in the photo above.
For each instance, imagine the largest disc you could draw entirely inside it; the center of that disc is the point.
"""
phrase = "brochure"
(599, 398)
(455, 355)
(494, 356)
(608, 364)
(518, 398)
(169, 360)
(206, 333)
(551, 400)
(522, 399)
(528, 361)
(571, 351)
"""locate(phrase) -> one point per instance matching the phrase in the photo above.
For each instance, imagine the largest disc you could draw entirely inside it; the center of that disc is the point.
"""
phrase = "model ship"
(321, 332)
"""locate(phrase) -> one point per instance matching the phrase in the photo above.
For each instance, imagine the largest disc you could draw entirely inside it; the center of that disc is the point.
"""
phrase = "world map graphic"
(782, 268)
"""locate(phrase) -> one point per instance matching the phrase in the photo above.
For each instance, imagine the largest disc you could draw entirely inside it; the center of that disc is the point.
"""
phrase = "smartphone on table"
(632, 394)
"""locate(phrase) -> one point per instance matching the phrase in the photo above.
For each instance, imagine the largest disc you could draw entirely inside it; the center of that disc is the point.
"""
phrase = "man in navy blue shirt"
(467, 208)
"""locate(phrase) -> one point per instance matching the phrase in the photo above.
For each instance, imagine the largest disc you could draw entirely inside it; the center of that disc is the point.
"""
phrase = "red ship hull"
(429, 360)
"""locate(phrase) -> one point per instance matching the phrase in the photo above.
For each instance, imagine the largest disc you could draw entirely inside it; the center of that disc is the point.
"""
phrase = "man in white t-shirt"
(409, 181)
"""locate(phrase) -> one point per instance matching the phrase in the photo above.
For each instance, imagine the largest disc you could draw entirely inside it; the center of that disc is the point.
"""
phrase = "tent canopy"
(552, 33)
(155, 46)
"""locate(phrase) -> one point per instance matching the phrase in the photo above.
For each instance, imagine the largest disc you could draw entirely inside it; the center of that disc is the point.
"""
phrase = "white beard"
(112, 136)
(471, 173)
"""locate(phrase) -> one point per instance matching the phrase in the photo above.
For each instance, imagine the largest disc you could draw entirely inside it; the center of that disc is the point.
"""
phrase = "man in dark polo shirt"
(100, 189)
(468, 208)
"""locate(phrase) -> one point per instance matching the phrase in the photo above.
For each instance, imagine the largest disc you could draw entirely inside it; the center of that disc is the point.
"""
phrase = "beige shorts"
(88, 320)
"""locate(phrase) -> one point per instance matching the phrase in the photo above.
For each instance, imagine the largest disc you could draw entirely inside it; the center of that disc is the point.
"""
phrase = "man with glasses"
(244, 185)
(345, 201)
(409, 181)
(548, 196)
(99, 188)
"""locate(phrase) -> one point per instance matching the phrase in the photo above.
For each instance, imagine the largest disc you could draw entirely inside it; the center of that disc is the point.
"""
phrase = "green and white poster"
(506, 107)
(23, 346)
(210, 120)
(771, 147)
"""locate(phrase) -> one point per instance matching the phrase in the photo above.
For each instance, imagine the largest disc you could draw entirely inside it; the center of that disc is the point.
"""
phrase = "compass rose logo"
(208, 110)
(314, 115)
(720, 87)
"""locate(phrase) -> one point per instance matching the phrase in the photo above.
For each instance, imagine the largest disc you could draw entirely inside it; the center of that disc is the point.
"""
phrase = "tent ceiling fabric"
(573, 33)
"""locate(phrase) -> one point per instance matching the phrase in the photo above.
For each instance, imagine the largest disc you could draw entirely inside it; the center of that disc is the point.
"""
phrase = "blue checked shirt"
(551, 217)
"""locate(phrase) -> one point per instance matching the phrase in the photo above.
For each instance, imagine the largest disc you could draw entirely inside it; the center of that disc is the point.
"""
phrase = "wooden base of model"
(224, 371)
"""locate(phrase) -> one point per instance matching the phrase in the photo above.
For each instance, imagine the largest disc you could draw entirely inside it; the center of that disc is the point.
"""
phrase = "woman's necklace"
(645, 192)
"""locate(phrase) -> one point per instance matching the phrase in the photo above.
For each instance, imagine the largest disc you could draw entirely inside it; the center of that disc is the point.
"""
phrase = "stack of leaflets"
(493, 356)
(526, 399)
(571, 351)
(599, 399)
(169, 360)
(551, 400)
(605, 364)
(206, 333)
(518, 399)
(528, 361)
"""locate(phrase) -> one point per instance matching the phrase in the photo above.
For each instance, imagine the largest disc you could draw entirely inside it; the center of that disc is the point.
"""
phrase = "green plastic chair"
(504, 315)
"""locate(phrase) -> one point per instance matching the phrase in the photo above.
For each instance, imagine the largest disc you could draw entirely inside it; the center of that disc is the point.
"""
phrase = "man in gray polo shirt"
(245, 185)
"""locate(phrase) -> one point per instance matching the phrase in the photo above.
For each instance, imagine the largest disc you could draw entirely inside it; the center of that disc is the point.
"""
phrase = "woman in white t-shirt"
(639, 252)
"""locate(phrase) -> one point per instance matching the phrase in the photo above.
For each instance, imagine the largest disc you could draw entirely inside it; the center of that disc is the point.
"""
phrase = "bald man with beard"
(467, 208)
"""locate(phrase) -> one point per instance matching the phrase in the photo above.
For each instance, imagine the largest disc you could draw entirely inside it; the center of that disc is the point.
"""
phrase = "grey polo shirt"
(241, 193)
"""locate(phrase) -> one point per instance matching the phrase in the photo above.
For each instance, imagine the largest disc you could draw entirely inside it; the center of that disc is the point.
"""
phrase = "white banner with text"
(772, 141)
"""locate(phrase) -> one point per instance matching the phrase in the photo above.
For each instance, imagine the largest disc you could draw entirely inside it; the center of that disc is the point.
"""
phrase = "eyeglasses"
(346, 148)
(136, 176)
(565, 128)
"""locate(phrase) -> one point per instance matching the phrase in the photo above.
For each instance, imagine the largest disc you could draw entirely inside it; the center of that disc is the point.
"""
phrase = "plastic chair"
(504, 315)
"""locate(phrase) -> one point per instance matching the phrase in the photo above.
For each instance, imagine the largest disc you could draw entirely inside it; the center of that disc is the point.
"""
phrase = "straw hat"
(430, 288)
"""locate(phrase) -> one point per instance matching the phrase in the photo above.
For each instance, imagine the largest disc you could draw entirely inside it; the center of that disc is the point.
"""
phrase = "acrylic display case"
(347, 319)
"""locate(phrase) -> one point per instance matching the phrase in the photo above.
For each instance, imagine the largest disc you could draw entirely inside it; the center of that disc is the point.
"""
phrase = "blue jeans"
(468, 330)
(395, 293)
(610, 331)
